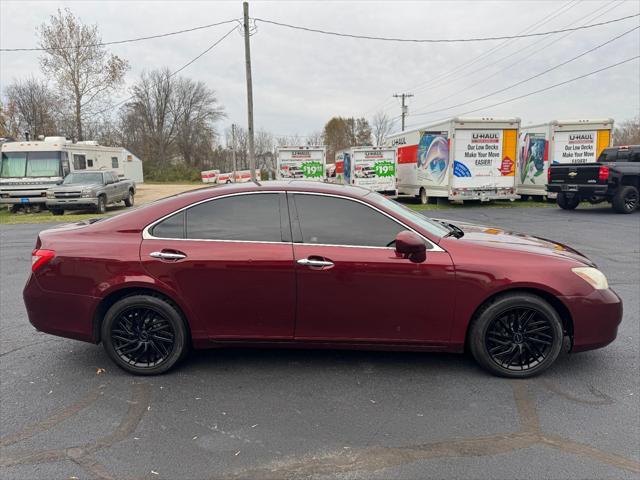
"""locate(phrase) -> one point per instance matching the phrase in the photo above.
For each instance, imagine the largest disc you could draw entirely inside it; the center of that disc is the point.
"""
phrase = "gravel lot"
(326, 414)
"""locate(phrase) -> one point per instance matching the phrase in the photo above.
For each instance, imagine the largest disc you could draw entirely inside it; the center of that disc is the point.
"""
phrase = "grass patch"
(8, 218)
(445, 205)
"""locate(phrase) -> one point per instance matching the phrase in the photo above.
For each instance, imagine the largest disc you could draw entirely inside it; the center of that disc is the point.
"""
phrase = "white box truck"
(370, 167)
(557, 142)
(303, 163)
(459, 159)
(241, 176)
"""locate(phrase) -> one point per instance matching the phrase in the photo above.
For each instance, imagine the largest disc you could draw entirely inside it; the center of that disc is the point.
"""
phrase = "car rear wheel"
(101, 207)
(144, 335)
(567, 203)
(128, 201)
(626, 199)
(516, 336)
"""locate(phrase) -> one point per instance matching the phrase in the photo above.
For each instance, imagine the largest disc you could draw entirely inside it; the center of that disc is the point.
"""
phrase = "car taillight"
(548, 173)
(603, 173)
(40, 258)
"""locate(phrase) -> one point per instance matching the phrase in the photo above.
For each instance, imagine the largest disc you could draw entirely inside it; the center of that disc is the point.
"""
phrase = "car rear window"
(171, 227)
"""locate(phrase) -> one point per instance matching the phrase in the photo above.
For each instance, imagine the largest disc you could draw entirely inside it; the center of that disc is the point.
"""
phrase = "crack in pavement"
(81, 455)
(377, 458)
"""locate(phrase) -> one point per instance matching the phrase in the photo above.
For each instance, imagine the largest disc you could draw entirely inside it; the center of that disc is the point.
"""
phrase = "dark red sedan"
(314, 265)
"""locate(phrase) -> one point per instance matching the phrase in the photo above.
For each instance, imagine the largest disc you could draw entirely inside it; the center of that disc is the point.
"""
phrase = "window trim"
(146, 232)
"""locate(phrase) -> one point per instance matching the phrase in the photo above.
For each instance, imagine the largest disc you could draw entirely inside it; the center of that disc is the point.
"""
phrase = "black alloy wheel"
(626, 199)
(142, 337)
(519, 339)
(516, 335)
(144, 334)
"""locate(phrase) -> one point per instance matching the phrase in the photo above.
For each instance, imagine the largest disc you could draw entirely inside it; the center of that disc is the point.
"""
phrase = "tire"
(102, 205)
(539, 198)
(128, 201)
(422, 197)
(524, 198)
(144, 335)
(503, 346)
(567, 203)
(626, 199)
(56, 211)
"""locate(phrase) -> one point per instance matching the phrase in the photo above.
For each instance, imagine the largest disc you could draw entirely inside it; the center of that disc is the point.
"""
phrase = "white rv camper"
(29, 168)
(459, 159)
(557, 142)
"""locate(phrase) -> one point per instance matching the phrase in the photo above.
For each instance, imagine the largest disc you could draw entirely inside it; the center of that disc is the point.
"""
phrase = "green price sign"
(312, 169)
(384, 169)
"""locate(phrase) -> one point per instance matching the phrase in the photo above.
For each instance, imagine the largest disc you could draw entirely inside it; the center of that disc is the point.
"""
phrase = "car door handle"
(309, 262)
(168, 255)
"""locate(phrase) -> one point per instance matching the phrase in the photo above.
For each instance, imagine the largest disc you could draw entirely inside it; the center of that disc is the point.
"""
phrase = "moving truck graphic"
(557, 142)
(370, 167)
(458, 159)
(305, 163)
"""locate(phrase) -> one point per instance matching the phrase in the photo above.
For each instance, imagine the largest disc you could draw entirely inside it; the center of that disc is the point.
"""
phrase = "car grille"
(67, 194)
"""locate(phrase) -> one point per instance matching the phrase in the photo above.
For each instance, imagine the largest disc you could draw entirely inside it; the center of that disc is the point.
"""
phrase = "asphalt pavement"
(67, 412)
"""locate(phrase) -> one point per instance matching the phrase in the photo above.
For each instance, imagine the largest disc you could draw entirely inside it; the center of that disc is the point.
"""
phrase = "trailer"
(370, 167)
(458, 159)
(210, 176)
(29, 168)
(557, 142)
(304, 163)
(239, 176)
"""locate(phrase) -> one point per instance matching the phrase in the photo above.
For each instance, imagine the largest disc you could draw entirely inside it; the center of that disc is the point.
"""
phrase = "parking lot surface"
(326, 414)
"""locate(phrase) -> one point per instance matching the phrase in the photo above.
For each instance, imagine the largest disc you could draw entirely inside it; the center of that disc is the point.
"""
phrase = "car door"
(351, 285)
(230, 259)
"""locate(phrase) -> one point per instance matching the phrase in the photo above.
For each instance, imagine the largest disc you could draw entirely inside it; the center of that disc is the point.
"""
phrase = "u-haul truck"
(459, 159)
(210, 176)
(370, 167)
(303, 163)
(557, 142)
(241, 176)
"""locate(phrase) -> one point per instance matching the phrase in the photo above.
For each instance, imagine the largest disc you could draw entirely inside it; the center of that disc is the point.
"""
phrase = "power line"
(118, 42)
(464, 65)
(520, 59)
(544, 72)
(442, 40)
(196, 58)
(549, 87)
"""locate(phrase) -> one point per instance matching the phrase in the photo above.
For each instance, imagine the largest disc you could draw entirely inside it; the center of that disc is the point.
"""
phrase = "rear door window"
(330, 220)
(171, 227)
(253, 217)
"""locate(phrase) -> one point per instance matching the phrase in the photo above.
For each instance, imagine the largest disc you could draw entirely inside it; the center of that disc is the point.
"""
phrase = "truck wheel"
(422, 197)
(102, 205)
(567, 203)
(128, 201)
(626, 199)
(524, 198)
(56, 211)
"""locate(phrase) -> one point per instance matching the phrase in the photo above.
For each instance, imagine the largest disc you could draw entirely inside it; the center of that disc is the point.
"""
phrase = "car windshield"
(30, 164)
(83, 178)
(404, 212)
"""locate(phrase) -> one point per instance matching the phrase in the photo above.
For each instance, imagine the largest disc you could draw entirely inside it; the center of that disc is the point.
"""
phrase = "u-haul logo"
(485, 138)
(581, 138)
(398, 141)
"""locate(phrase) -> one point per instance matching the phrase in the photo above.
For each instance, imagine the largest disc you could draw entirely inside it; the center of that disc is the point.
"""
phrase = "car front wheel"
(101, 207)
(517, 335)
(128, 201)
(144, 334)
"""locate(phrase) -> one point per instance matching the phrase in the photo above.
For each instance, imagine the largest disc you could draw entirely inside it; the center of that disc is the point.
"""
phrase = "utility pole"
(233, 149)
(404, 107)
(247, 57)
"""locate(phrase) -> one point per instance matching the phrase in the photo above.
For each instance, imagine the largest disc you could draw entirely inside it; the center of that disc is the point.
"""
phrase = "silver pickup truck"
(90, 190)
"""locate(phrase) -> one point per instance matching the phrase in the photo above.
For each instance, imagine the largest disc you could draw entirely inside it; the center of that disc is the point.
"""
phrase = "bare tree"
(35, 107)
(627, 132)
(84, 70)
(381, 125)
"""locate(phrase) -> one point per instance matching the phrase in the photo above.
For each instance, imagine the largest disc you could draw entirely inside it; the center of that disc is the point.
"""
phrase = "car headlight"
(592, 276)
(51, 195)
(86, 193)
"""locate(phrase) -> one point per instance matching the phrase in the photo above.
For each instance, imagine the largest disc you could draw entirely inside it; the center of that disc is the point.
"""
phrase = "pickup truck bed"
(614, 179)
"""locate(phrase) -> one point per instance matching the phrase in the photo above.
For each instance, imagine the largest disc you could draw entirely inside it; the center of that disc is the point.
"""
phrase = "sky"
(302, 79)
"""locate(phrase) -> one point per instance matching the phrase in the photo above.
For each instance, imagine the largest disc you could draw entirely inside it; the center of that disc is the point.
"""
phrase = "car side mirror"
(411, 246)
(59, 182)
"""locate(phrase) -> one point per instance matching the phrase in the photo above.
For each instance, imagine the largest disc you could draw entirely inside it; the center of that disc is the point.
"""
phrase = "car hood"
(499, 238)
(74, 187)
